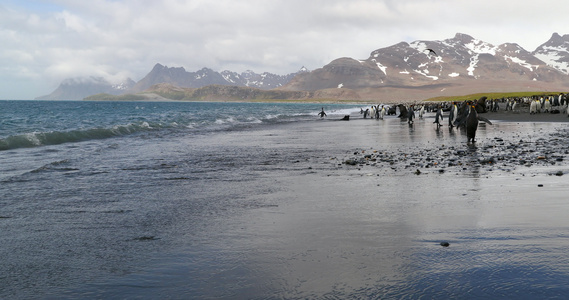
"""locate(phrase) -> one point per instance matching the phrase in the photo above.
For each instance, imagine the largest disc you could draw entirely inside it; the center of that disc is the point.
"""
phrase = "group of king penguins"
(378, 111)
(463, 114)
(555, 104)
(551, 104)
(467, 114)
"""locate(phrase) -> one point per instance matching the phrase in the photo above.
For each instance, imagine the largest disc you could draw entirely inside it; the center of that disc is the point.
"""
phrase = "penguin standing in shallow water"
(439, 117)
(452, 115)
(410, 114)
(472, 123)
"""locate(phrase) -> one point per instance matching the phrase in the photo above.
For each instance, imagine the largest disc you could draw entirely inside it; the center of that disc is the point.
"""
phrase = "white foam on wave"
(271, 116)
(225, 121)
(33, 138)
(254, 120)
(343, 111)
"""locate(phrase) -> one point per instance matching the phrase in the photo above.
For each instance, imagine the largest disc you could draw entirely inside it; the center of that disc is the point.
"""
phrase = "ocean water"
(88, 188)
(143, 200)
(28, 124)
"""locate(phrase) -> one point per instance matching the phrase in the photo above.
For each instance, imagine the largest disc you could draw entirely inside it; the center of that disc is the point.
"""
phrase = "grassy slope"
(492, 96)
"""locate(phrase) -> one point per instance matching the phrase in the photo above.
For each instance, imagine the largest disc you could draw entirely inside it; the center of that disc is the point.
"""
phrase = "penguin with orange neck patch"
(472, 121)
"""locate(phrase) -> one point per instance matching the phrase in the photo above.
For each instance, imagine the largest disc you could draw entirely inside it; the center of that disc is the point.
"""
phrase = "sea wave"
(32, 124)
(38, 139)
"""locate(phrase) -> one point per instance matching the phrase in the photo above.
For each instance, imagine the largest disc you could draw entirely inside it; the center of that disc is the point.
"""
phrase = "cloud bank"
(45, 42)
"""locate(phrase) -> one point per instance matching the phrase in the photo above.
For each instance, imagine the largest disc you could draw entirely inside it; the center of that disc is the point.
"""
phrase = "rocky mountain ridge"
(404, 71)
(80, 88)
(431, 68)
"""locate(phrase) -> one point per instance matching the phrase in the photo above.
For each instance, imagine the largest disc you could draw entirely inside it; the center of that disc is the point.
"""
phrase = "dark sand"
(374, 229)
(299, 222)
(524, 116)
(325, 228)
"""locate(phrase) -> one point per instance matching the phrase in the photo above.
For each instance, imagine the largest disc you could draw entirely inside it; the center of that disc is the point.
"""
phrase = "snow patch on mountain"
(473, 64)
(521, 62)
(480, 47)
(120, 87)
(553, 56)
(228, 77)
(426, 74)
(380, 66)
(419, 46)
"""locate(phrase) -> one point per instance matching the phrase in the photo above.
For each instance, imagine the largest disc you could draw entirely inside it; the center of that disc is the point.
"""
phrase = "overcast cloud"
(45, 42)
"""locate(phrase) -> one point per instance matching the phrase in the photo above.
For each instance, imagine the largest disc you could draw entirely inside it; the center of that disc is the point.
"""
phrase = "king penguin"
(472, 123)
(438, 117)
(452, 115)
(411, 114)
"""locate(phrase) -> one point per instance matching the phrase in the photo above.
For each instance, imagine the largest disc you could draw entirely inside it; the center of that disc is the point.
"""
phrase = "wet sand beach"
(311, 209)
(420, 214)
(374, 229)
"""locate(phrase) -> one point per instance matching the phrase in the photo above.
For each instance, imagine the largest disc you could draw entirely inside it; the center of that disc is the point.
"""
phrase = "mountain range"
(456, 66)
(404, 71)
(80, 88)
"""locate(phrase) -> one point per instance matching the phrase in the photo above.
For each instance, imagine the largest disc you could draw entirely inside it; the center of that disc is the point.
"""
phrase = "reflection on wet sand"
(308, 224)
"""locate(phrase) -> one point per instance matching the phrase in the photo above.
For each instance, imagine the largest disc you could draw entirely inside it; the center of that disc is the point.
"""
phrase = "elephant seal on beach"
(481, 105)
(402, 112)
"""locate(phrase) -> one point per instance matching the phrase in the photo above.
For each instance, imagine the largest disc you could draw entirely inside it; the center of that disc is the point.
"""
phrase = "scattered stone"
(559, 173)
(501, 154)
(487, 161)
(445, 244)
(351, 162)
(540, 185)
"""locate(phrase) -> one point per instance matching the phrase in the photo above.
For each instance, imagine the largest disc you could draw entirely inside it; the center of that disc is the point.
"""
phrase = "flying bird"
(431, 51)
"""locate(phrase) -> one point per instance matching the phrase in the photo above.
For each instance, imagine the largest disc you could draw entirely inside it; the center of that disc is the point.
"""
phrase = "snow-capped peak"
(480, 47)
(555, 52)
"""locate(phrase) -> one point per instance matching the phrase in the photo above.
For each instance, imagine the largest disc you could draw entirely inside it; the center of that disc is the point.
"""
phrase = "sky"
(44, 42)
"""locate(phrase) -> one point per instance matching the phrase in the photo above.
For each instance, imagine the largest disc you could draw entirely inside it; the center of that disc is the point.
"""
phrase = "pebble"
(493, 154)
